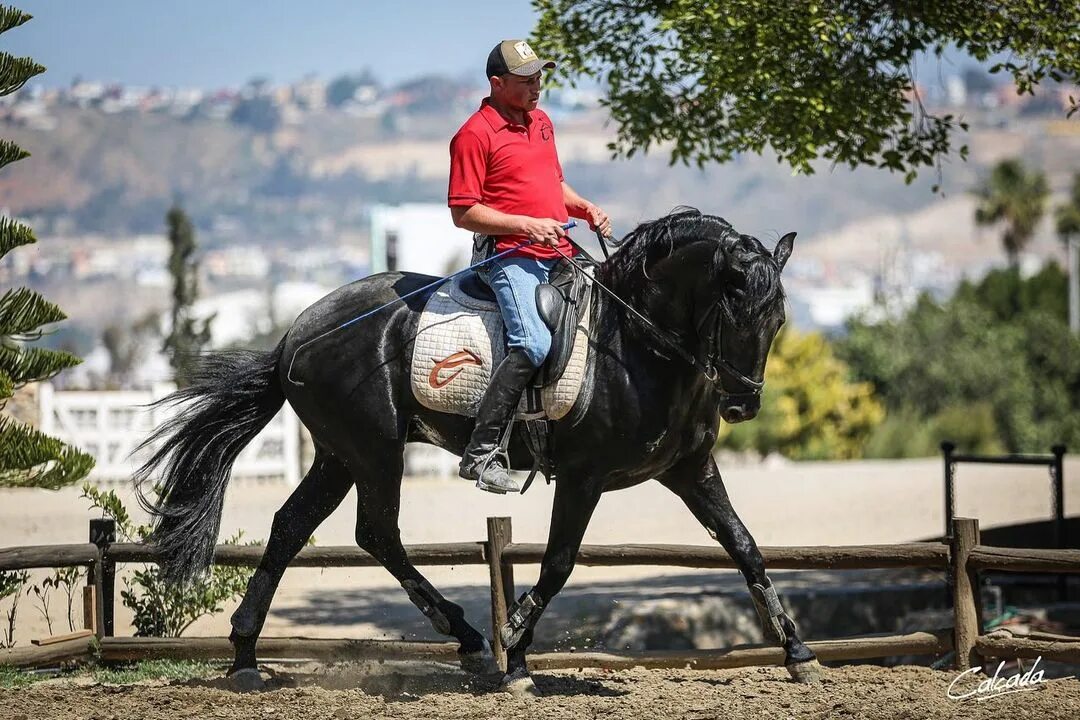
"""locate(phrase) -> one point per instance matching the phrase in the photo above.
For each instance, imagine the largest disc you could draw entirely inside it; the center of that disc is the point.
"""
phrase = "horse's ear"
(783, 249)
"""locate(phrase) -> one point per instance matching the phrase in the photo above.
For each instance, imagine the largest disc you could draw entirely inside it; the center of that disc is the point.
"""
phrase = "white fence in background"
(422, 460)
(110, 424)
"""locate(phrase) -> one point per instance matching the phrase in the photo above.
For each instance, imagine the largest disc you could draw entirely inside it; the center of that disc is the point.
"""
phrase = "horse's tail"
(234, 395)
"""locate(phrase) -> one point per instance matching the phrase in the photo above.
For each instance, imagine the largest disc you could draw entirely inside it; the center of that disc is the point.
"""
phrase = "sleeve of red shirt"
(468, 168)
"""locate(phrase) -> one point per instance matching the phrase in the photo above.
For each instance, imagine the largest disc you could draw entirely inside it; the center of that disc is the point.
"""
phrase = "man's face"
(516, 91)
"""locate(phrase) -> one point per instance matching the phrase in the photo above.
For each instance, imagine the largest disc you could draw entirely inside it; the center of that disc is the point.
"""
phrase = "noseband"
(715, 365)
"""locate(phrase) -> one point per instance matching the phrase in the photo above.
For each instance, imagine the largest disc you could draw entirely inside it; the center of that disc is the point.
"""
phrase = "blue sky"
(224, 43)
(215, 43)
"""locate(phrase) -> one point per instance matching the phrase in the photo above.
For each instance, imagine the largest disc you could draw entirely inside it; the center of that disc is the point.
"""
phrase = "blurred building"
(417, 237)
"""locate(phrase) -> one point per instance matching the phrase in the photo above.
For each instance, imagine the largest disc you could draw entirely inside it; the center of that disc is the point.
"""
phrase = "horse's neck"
(654, 368)
(644, 296)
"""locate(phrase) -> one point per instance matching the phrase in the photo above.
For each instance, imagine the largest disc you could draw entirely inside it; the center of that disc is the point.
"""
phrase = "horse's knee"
(363, 539)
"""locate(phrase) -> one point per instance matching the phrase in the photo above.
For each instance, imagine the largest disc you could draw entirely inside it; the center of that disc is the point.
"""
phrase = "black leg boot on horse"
(484, 460)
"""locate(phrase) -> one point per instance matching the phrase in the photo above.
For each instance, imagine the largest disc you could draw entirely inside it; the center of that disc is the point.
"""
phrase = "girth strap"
(538, 438)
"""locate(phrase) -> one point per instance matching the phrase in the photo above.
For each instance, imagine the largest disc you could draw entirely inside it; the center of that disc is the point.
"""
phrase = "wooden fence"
(962, 558)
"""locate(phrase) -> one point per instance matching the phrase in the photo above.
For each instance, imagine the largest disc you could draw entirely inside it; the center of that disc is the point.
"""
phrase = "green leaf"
(10, 152)
(23, 312)
(25, 365)
(11, 17)
(15, 71)
(14, 234)
(29, 458)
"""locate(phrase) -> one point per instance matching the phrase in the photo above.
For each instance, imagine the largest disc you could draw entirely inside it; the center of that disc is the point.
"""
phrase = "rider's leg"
(514, 281)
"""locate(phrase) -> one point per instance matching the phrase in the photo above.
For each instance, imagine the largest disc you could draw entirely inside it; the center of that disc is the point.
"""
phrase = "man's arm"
(480, 218)
(579, 207)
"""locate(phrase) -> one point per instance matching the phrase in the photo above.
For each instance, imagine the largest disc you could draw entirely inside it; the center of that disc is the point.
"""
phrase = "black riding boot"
(479, 461)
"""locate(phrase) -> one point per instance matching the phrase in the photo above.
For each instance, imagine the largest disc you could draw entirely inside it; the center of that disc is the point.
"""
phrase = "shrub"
(161, 610)
(810, 409)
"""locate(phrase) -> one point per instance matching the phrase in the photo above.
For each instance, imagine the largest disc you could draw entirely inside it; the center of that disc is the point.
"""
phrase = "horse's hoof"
(247, 680)
(480, 662)
(807, 672)
(521, 687)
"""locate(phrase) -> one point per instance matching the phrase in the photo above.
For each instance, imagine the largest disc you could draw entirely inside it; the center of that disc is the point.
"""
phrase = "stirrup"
(502, 452)
(484, 485)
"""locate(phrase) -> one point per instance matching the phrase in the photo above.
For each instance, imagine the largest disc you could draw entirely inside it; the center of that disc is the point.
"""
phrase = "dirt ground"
(381, 691)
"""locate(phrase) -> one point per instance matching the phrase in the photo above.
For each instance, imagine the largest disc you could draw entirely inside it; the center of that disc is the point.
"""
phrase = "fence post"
(967, 613)
(499, 535)
(1057, 477)
(947, 449)
(93, 616)
(103, 534)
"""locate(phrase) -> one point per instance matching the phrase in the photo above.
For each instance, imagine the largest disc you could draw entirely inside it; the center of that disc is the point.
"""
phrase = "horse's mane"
(745, 305)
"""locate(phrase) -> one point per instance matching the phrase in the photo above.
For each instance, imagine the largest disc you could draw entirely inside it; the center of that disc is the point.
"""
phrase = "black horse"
(656, 391)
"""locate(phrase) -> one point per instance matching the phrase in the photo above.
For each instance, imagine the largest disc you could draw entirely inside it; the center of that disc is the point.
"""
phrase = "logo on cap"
(524, 51)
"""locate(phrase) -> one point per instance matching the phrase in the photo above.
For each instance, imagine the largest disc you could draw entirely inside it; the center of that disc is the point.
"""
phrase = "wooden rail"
(963, 557)
(123, 649)
(983, 557)
(329, 556)
(1003, 644)
(824, 557)
(48, 556)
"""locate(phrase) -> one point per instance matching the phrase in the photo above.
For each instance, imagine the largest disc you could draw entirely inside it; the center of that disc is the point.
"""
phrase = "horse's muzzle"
(741, 409)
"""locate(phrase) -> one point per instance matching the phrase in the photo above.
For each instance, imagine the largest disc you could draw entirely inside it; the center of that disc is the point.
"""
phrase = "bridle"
(714, 367)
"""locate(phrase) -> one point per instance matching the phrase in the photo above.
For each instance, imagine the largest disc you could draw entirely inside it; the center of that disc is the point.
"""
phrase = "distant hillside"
(117, 173)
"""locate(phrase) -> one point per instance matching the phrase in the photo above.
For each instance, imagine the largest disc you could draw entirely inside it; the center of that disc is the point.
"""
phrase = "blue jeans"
(514, 281)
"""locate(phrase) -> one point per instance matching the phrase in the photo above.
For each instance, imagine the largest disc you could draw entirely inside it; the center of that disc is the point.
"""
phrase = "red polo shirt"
(510, 168)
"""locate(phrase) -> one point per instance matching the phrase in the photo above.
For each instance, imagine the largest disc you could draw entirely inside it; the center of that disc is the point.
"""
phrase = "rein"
(712, 369)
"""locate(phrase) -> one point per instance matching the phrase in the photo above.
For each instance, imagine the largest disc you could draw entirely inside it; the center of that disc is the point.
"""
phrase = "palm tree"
(1015, 198)
(1068, 229)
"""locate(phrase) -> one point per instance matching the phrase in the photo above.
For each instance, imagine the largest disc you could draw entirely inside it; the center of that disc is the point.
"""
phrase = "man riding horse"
(506, 181)
(681, 321)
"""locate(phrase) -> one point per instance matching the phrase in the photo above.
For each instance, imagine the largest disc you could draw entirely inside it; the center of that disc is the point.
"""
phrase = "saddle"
(461, 339)
(560, 301)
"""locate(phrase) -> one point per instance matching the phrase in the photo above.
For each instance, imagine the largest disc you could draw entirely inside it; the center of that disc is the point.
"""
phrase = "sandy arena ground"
(829, 503)
(859, 692)
(797, 504)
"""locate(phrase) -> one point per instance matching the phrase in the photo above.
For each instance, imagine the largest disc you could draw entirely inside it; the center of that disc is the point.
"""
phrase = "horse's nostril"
(734, 414)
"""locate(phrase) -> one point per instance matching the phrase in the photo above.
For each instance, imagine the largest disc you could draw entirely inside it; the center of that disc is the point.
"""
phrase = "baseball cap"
(515, 57)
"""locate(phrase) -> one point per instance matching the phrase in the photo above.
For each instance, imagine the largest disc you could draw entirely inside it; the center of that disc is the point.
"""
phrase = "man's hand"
(543, 230)
(598, 220)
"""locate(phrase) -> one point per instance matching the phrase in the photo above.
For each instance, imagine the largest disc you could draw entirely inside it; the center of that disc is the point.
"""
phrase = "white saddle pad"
(461, 340)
